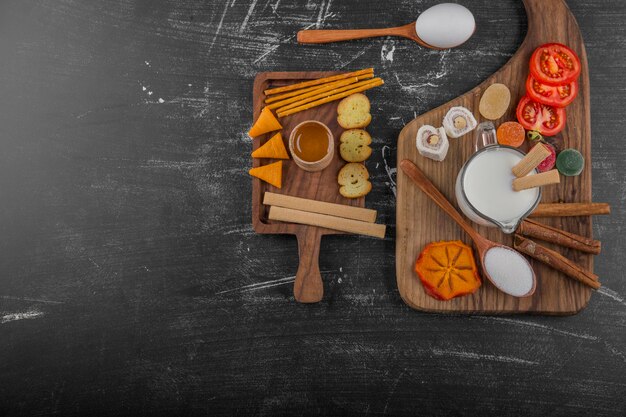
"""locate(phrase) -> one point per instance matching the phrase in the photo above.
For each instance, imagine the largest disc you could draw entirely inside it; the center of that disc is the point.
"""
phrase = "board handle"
(308, 286)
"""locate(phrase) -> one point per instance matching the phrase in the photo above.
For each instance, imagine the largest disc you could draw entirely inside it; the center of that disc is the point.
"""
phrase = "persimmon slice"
(447, 269)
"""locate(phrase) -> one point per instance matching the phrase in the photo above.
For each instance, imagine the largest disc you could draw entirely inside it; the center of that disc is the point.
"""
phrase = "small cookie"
(353, 180)
(354, 145)
(354, 111)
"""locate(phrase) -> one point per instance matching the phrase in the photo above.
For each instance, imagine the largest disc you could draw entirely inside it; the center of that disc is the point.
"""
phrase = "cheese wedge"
(266, 122)
(271, 173)
(273, 148)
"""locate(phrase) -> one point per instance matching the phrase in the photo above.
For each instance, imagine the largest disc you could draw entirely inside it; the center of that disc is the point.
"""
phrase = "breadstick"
(283, 96)
(371, 84)
(279, 97)
(316, 82)
(318, 90)
(322, 95)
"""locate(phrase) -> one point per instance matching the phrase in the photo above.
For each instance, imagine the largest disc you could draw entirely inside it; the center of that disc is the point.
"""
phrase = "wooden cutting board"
(420, 221)
(322, 185)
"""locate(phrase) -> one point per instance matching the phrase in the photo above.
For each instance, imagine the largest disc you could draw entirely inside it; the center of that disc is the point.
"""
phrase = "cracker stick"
(316, 82)
(325, 94)
(278, 97)
(318, 90)
(371, 84)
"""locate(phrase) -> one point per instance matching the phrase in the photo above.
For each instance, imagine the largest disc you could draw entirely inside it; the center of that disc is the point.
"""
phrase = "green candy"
(570, 162)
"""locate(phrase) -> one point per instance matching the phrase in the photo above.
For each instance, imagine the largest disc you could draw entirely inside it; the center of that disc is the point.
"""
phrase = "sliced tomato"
(546, 120)
(554, 64)
(552, 95)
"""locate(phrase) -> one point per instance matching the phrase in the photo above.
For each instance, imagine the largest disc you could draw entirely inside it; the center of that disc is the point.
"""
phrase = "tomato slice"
(547, 120)
(554, 64)
(552, 95)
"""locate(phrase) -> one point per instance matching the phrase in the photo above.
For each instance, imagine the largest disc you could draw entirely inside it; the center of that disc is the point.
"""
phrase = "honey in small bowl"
(312, 146)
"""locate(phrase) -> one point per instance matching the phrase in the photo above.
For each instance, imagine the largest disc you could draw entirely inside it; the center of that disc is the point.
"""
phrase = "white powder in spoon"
(509, 271)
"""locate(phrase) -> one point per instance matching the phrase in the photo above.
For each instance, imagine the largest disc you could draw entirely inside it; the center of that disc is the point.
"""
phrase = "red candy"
(548, 163)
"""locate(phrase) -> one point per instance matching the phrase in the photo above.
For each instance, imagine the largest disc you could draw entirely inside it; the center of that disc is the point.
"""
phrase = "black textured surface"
(131, 282)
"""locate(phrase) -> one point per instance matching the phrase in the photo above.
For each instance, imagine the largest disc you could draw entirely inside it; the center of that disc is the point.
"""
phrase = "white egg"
(445, 25)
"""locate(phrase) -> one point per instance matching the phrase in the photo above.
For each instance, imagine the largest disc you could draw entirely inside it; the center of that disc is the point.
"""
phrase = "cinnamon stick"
(372, 83)
(322, 95)
(317, 81)
(556, 261)
(570, 209)
(560, 237)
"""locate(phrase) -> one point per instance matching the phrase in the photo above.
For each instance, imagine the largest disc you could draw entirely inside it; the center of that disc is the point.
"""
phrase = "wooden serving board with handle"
(420, 221)
(321, 185)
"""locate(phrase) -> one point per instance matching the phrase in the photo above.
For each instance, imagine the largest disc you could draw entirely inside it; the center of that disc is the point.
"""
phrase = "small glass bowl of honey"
(312, 145)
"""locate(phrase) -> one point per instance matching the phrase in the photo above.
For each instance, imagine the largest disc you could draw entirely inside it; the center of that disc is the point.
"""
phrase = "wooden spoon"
(482, 244)
(442, 26)
(328, 36)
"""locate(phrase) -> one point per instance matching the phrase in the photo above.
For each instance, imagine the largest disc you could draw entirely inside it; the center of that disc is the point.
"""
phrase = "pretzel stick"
(279, 97)
(283, 96)
(318, 90)
(326, 94)
(373, 83)
(316, 82)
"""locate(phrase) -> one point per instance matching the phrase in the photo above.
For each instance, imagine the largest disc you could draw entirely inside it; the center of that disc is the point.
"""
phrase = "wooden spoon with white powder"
(506, 268)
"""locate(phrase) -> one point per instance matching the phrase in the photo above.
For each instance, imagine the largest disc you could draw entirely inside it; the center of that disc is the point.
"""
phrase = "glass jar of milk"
(484, 190)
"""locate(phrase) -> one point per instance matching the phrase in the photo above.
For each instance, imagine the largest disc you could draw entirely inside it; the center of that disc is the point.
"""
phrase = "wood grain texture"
(133, 284)
(321, 185)
(419, 223)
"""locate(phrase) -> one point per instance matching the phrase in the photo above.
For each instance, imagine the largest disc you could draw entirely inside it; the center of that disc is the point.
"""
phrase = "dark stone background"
(131, 282)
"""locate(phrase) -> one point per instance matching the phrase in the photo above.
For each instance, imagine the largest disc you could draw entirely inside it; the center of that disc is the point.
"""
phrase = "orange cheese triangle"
(266, 122)
(271, 173)
(273, 148)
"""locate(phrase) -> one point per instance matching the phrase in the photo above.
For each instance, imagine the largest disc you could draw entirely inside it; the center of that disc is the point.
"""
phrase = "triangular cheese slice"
(266, 122)
(273, 148)
(271, 173)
